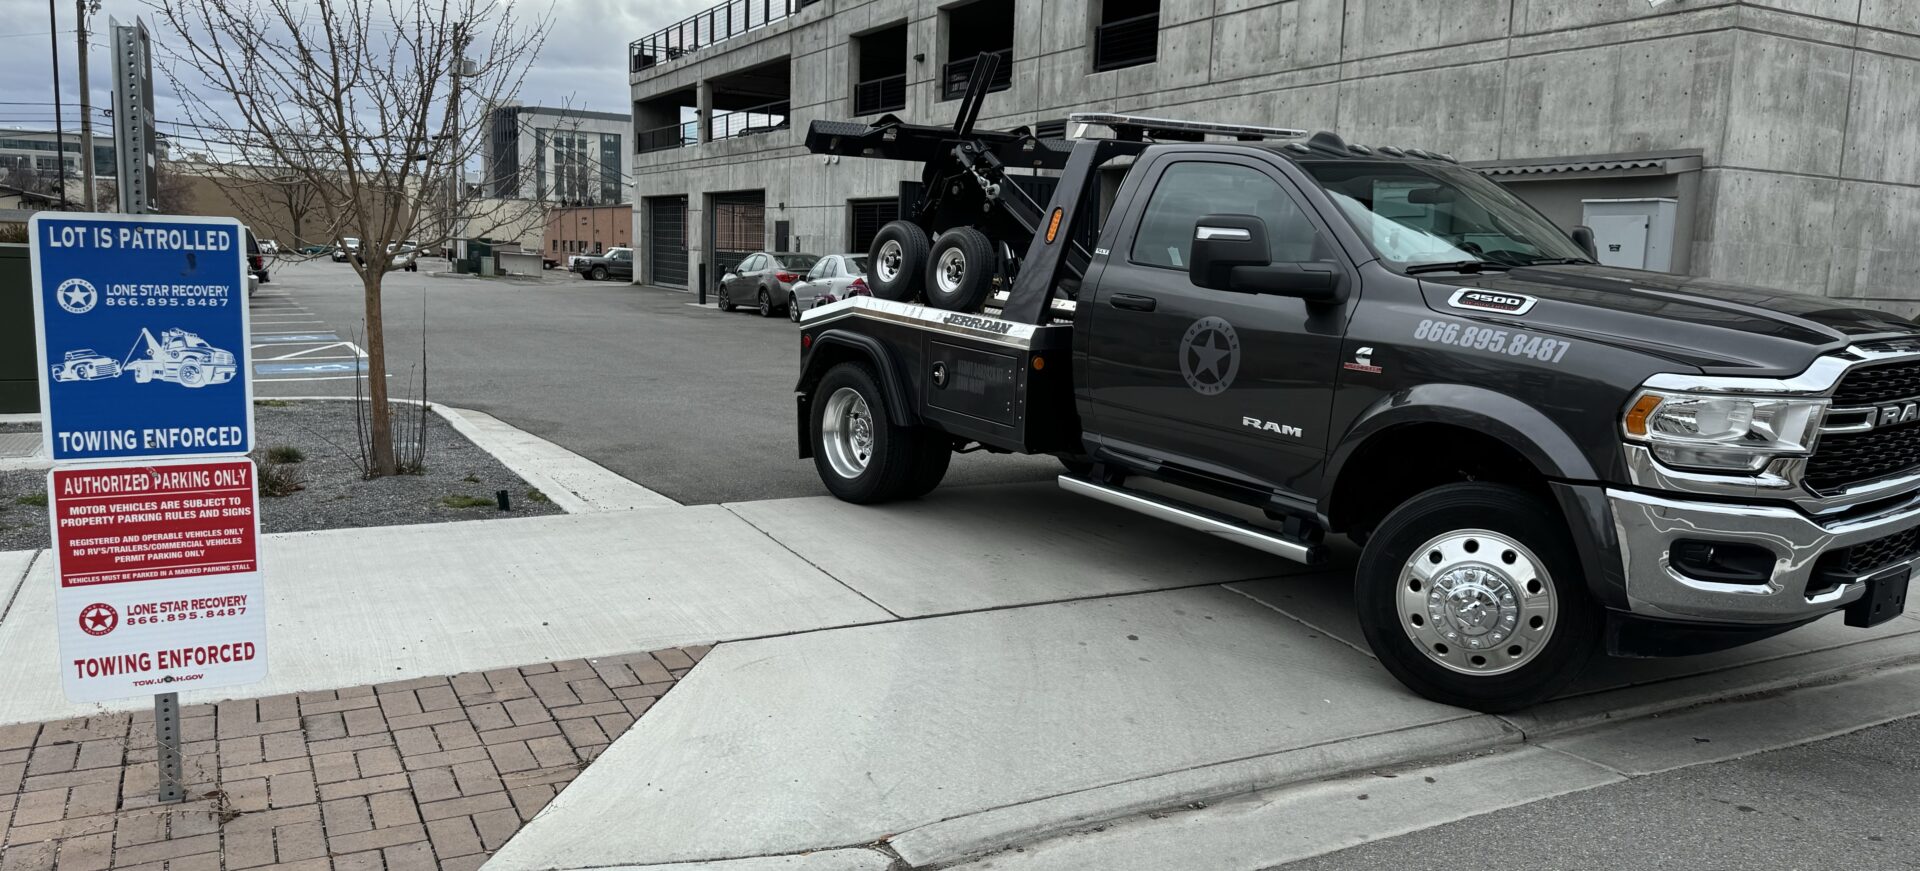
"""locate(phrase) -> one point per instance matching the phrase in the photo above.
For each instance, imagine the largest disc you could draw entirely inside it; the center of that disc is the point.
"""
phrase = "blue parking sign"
(143, 333)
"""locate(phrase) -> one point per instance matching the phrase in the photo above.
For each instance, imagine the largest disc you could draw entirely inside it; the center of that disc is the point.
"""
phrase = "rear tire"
(862, 455)
(1469, 594)
(960, 270)
(898, 257)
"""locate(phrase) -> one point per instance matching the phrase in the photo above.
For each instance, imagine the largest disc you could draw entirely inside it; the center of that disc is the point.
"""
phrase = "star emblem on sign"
(76, 295)
(98, 618)
(1210, 355)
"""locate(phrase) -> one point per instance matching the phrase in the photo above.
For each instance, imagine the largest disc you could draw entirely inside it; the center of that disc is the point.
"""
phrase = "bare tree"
(367, 104)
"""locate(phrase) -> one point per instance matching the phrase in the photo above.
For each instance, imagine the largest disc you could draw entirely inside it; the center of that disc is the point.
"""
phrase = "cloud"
(583, 63)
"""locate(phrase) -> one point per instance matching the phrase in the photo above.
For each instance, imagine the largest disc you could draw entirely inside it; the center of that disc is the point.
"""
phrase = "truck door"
(1235, 386)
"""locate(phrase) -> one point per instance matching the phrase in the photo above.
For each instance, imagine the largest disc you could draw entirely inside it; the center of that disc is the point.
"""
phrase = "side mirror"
(1583, 237)
(1222, 242)
(1313, 282)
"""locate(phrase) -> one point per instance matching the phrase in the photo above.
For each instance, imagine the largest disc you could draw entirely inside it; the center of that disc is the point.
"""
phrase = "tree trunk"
(380, 433)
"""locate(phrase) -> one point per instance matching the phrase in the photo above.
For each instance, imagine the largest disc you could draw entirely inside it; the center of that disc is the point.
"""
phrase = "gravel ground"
(334, 496)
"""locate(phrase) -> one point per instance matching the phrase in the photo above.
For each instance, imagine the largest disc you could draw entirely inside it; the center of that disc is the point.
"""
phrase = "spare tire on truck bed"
(897, 261)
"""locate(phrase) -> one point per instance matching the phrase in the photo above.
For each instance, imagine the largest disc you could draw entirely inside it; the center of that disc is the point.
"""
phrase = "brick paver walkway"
(419, 774)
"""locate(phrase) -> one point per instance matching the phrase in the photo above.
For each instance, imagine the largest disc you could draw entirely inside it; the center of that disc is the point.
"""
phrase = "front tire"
(960, 270)
(793, 308)
(862, 455)
(599, 273)
(1469, 595)
(765, 304)
(726, 305)
(898, 257)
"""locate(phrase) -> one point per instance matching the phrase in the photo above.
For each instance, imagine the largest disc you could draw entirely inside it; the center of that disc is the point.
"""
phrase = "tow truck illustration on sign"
(175, 355)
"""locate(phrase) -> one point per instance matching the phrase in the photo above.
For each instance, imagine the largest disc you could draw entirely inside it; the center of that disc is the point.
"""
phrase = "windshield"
(796, 262)
(1412, 214)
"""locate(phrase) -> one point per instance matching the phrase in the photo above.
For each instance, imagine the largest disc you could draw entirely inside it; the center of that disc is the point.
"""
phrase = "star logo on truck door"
(1210, 355)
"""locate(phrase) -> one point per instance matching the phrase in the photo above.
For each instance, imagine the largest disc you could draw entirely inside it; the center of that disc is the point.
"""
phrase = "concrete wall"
(1806, 112)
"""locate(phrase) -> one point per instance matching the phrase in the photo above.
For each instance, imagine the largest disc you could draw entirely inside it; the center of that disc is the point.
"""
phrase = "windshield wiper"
(1562, 261)
(1464, 266)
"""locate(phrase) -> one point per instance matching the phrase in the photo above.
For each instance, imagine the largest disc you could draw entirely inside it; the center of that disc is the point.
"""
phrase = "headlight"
(1722, 433)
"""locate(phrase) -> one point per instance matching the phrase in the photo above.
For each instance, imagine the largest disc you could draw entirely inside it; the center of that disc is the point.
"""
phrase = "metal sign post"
(133, 136)
(147, 412)
(166, 734)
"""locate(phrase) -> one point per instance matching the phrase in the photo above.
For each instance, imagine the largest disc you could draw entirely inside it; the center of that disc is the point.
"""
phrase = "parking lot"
(684, 399)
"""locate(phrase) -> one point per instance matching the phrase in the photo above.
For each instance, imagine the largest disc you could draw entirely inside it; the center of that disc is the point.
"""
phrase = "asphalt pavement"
(1846, 802)
(690, 402)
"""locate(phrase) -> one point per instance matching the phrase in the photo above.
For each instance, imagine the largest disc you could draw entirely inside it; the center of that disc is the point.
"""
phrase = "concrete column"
(705, 110)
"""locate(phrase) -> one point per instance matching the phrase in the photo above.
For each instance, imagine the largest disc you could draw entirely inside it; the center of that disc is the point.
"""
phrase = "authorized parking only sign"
(143, 326)
(159, 572)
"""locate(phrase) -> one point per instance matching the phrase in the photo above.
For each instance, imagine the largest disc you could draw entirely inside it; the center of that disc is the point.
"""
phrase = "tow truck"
(180, 357)
(1276, 337)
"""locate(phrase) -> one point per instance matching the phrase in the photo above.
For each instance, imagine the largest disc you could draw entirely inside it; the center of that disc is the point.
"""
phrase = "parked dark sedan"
(764, 281)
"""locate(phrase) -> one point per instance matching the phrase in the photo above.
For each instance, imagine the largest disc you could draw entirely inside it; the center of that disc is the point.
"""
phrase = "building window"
(880, 82)
(979, 28)
(1126, 34)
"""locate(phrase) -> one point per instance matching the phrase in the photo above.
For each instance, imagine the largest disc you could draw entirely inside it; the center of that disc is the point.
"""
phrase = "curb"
(576, 484)
(969, 837)
(973, 835)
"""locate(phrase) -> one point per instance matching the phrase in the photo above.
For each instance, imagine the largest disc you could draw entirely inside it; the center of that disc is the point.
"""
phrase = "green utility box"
(19, 351)
(478, 251)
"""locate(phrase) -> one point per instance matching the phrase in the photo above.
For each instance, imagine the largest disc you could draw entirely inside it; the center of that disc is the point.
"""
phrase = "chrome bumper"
(1648, 526)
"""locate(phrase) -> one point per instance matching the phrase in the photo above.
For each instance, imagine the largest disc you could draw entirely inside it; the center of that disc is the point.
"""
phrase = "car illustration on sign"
(86, 364)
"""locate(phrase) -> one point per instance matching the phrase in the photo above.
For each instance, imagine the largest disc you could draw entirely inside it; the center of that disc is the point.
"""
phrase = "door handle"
(1131, 302)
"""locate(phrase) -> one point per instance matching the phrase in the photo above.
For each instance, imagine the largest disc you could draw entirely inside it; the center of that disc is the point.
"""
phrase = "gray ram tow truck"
(1540, 457)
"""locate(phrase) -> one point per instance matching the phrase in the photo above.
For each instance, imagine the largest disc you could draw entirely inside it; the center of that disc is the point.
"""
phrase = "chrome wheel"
(891, 258)
(1477, 602)
(846, 432)
(951, 270)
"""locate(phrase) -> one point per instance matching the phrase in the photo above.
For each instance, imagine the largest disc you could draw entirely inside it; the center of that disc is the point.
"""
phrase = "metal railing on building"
(705, 28)
(764, 118)
(671, 136)
(884, 94)
(953, 78)
(1127, 42)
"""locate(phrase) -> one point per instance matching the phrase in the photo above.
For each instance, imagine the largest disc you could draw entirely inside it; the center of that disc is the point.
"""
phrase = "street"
(688, 401)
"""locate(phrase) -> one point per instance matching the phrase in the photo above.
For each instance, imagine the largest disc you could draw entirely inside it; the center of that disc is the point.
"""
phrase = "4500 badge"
(1508, 342)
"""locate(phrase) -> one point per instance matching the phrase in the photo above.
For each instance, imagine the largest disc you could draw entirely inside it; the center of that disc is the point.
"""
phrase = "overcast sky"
(583, 64)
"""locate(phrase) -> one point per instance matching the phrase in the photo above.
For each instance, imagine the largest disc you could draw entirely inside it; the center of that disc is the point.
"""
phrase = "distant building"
(40, 152)
(566, 156)
(588, 230)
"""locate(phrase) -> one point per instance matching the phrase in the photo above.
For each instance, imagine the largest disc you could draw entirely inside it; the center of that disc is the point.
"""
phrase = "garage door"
(739, 228)
(867, 217)
(667, 241)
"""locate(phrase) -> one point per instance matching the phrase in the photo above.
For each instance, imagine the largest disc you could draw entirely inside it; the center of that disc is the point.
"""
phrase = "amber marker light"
(1637, 415)
(1053, 225)
(1039, 363)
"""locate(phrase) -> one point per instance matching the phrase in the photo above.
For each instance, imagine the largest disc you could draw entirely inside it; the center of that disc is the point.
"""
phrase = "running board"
(1197, 518)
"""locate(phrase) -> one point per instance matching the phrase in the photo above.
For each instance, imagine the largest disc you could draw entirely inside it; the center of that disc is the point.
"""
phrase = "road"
(1846, 802)
(693, 403)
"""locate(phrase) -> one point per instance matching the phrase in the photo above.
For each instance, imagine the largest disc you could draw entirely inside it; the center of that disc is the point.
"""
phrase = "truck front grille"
(1872, 385)
(1842, 460)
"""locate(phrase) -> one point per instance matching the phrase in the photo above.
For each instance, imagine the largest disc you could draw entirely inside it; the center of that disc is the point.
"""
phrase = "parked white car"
(833, 277)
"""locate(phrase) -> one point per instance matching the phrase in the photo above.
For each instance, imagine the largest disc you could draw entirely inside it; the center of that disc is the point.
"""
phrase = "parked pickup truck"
(1539, 456)
(616, 263)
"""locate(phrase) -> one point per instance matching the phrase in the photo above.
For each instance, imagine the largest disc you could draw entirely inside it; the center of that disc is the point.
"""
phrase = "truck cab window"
(1191, 190)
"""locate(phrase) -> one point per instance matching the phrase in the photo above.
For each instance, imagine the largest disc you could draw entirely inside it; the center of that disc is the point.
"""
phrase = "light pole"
(83, 8)
(59, 132)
